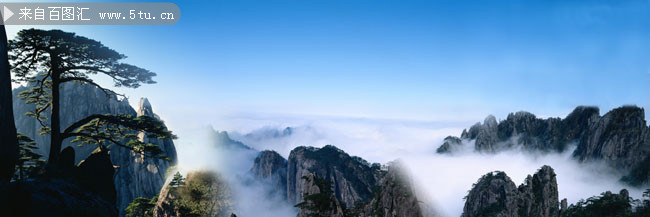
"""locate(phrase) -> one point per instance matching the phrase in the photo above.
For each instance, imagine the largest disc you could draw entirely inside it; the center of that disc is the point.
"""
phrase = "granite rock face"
(138, 176)
(328, 204)
(135, 176)
(272, 167)
(538, 195)
(524, 130)
(395, 197)
(77, 101)
(449, 145)
(620, 138)
(495, 194)
(344, 185)
(352, 178)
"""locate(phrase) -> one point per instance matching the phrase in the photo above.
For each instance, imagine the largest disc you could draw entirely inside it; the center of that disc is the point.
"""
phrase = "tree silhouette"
(49, 58)
(29, 160)
(8, 140)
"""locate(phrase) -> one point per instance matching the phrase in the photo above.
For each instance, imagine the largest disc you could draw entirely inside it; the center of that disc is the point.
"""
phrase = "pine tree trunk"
(55, 124)
(8, 139)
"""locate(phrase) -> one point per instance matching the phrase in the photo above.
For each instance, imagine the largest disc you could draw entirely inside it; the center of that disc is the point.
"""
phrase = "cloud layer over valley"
(445, 179)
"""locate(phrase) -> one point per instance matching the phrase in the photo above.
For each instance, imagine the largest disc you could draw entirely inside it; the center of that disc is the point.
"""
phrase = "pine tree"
(49, 58)
(177, 181)
(141, 207)
(29, 160)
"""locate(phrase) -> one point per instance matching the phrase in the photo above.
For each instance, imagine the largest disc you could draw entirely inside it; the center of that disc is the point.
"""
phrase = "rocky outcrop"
(164, 206)
(96, 174)
(609, 204)
(135, 176)
(319, 199)
(77, 101)
(223, 141)
(138, 176)
(524, 130)
(620, 138)
(538, 195)
(493, 195)
(395, 197)
(485, 134)
(450, 144)
(353, 179)
(202, 193)
(272, 168)
(496, 195)
(328, 182)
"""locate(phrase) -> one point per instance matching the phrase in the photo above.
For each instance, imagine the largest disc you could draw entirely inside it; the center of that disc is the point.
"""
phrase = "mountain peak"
(495, 194)
(144, 108)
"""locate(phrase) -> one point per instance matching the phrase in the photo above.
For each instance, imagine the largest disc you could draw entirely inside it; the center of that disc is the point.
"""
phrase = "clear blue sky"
(421, 60)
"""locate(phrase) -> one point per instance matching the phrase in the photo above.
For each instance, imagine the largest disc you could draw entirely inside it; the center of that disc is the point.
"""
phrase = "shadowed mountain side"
(83, 190)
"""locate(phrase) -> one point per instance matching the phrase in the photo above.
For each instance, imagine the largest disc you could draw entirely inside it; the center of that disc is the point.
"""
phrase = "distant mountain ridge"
(620, 138)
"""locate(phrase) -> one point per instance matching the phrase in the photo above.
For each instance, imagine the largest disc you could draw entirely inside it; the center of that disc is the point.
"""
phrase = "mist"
(250, 197)
(442, 180)
(448, 178)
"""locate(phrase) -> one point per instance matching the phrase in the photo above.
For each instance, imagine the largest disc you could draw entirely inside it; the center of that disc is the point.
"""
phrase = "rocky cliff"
(135, 176)
(395, 196)
(272, 168)
(352, 178)
(450, 144)
(329, 182)
(138, 176)
(495, 194)
(524, 130)
(319, 199)
(620, 138)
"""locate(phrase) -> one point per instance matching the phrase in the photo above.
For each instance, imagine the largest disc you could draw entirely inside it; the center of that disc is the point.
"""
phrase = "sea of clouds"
(443, 179)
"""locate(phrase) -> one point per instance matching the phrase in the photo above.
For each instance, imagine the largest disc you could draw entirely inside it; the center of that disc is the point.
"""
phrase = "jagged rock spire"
(496, 195)
(144, 108)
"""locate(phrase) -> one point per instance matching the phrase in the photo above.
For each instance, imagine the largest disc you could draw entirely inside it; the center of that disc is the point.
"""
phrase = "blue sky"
(388, 79)
(413, 60)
